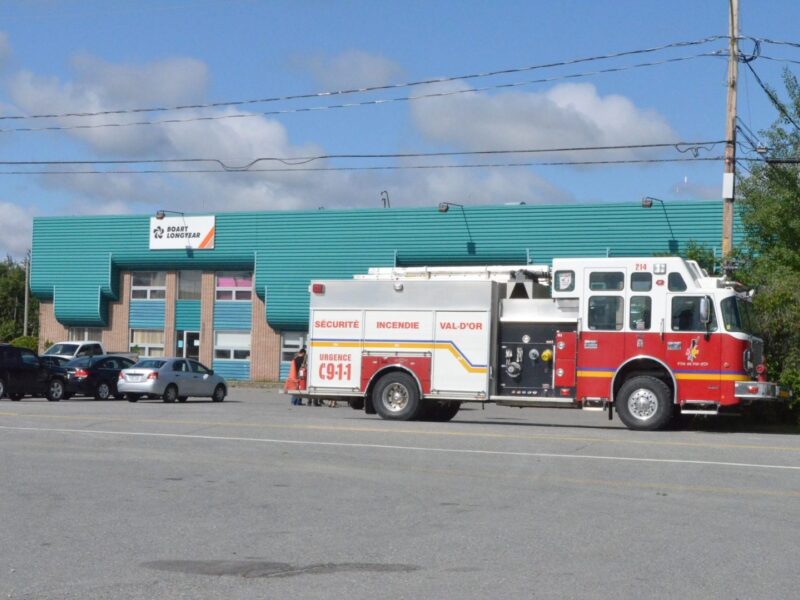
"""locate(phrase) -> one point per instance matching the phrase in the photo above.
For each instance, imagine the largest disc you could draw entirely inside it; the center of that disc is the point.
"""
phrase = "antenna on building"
(385, 199)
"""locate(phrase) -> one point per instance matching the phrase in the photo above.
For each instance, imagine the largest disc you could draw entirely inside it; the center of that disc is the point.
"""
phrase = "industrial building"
(231, 289)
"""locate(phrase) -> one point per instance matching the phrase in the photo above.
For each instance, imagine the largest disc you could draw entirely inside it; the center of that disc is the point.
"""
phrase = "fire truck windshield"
(738, 315)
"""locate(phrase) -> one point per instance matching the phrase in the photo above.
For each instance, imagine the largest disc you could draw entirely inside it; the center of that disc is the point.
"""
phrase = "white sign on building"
(178, 233)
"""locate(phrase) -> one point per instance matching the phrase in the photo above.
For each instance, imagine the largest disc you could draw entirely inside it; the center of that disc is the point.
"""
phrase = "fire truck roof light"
(317, 288)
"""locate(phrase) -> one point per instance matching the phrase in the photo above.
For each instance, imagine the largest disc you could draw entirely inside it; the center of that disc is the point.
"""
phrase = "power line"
(719, 53)
(773, 98)
(682, 147)
(374, 168)
(368, 88)
(775, 42)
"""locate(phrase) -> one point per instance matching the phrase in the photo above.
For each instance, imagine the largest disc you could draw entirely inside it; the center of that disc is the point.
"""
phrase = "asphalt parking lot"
(253, 498)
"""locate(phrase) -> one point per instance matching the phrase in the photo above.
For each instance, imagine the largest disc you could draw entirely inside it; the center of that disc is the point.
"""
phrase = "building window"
(147, 342)
(605, 313)
(234, 285)
(84, 334)
(291, 342)
(233, 345)
(189, 285)
(607, 280)
(149, 285)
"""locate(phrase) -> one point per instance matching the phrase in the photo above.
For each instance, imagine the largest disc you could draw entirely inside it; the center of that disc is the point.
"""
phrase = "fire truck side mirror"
(705, 311)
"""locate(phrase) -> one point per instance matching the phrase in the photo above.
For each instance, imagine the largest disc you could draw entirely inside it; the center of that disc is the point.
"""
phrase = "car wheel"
(170, 394)
(55, 390)
(645, 403)
(102, 391)
(396, 397)
(183, 398)
(219, 393)
(132, 397)
(2, 388)
(16, 397)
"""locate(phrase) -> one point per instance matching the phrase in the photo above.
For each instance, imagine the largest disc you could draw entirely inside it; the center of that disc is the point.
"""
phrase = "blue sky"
(60, 56)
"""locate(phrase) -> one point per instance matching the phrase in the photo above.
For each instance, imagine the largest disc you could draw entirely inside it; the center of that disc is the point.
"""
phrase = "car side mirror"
(211, 371)
(705, 311)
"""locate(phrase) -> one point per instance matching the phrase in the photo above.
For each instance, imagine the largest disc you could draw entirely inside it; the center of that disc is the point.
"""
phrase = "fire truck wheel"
(396, 397)
(645, 403)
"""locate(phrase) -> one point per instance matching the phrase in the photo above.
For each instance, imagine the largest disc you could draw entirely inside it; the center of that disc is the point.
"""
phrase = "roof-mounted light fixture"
(647, 201)
(161, 213)
(445, 206)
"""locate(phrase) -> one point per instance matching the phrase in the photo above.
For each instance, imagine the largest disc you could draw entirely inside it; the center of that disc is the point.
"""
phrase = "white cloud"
(351, 68)
(98, 85)
(568, 115)
(17, 226)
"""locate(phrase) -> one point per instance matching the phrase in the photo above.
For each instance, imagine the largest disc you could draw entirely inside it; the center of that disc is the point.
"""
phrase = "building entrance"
(188, 344)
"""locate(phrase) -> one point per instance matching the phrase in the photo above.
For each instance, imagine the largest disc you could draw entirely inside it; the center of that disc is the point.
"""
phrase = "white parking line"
(675, 461)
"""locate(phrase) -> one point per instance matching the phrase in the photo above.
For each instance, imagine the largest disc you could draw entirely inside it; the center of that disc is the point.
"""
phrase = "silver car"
(170, 379)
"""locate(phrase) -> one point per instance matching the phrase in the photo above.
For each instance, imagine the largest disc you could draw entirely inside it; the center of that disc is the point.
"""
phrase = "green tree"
(12, 302)
(770, 211)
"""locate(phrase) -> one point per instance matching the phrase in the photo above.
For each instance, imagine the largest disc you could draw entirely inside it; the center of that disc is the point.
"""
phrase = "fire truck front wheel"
(645, 403)
(396, 397)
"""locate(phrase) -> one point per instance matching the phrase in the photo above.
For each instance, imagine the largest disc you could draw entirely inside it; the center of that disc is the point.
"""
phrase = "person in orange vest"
(293, 381)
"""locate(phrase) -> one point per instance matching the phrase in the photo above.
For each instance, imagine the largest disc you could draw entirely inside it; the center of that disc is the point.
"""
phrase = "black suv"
(22, 373)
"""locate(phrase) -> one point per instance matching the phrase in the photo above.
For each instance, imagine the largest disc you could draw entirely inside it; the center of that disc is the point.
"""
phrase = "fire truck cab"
(649, 337)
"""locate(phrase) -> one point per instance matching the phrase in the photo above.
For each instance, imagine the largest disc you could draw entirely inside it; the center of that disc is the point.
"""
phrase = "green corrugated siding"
(187, 315)
(77, 259)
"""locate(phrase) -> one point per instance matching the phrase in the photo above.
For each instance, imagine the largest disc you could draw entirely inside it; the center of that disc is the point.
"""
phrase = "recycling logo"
(158, 232)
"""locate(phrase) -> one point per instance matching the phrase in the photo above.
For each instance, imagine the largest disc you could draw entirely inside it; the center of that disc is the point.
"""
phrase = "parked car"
(171, 379)
(70, 350)
(88, 376)
(53, 361)
(21, 373)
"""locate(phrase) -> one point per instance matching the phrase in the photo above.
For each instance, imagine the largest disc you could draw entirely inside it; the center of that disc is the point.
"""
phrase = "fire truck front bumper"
(761, 390)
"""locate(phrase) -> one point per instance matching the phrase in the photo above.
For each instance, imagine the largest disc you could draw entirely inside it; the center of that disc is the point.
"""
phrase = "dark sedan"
(88, 376)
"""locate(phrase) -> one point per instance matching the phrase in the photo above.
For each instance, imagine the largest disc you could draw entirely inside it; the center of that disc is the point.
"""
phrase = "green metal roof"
(76, 260)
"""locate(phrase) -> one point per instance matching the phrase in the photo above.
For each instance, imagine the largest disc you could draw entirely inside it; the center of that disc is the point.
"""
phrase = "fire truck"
(650, 338)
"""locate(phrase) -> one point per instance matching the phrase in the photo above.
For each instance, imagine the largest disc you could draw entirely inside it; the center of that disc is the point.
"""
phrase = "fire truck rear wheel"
(396, 397)
(645, 403)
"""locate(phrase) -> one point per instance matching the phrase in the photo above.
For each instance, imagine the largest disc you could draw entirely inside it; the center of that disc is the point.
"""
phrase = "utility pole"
(27, 285)
(729, 177)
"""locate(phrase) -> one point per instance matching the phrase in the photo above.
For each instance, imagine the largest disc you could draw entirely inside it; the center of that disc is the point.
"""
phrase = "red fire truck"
(649, 337)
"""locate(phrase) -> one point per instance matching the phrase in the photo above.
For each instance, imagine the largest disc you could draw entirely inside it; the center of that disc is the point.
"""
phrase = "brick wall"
(208, 294)
(169, 314)
(116, 337)
(49, 329)
(265, 345)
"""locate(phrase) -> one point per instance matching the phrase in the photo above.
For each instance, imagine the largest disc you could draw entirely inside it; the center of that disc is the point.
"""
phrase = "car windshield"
(149, 364)
(62, 349)
(738, 315)
(83, 361)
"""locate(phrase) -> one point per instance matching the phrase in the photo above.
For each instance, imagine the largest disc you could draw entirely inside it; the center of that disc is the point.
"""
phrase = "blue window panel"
(146, 314)
(233, 316)
(284, 371)
(187, 315)
(232, 369)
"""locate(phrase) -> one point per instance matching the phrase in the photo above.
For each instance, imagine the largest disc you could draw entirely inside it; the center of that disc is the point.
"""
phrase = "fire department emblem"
(694, 350)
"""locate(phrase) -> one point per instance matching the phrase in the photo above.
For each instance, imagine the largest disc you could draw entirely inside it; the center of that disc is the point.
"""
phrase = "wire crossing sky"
(249, 105)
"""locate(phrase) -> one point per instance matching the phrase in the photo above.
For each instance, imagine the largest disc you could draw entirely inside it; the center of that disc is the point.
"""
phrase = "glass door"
(188, 344)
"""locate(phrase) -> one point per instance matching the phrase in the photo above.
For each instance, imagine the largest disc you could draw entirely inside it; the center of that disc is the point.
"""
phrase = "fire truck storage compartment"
(525, 359)
(526, 345)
